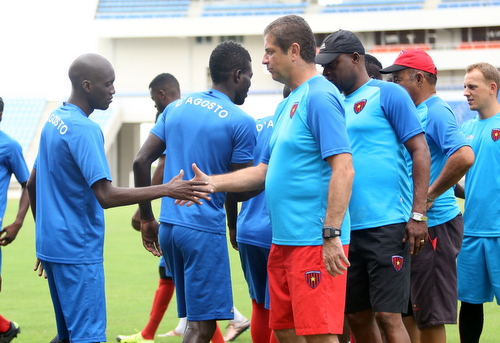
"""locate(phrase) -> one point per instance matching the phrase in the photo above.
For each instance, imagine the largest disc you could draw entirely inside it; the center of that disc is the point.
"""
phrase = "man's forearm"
(243, 180)
(455, 168)
(339, 190)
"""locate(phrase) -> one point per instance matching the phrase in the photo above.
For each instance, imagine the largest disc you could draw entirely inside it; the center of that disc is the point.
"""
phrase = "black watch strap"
(330, 232)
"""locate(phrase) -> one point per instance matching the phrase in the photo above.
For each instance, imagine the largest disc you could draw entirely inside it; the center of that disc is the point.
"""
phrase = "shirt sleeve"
(400, 111)
(326, 119)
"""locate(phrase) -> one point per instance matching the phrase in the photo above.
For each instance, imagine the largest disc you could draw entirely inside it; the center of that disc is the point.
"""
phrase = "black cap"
(340, 42)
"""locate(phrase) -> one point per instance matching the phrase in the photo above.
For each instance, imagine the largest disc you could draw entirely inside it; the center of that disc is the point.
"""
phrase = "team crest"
(294, 109)
(495, 134)
(313, 278)
(358, 107)
(397, 262)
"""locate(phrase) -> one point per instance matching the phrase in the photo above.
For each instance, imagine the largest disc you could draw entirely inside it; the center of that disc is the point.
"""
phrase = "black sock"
(470, 322)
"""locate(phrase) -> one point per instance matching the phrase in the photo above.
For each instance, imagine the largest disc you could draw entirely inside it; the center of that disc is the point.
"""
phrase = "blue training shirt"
(443, 137)
(380, 117)
(254, 225)
(309, 126)
(208, 129)
(11, 162)
(71, 158)
(482, 181)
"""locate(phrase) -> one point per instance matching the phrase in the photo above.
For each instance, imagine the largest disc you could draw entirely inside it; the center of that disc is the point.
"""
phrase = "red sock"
(217, 337)
(4, 324)
(259, 328)
(160, 303)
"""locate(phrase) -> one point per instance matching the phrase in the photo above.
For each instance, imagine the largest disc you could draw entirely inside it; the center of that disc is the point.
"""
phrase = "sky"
(38, 41)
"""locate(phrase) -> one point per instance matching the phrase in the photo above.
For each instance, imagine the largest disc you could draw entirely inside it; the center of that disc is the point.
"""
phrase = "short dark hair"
(373, 66)
(226, 58)
(164, 81)
(1, 104)
(293, 29)
(431, 78)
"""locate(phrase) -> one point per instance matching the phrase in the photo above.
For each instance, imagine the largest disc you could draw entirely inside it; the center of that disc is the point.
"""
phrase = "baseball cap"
(412, 58)
(340, 42)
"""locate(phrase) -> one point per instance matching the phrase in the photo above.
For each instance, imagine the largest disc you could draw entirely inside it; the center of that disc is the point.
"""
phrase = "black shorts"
(434, 275)
(379, 275)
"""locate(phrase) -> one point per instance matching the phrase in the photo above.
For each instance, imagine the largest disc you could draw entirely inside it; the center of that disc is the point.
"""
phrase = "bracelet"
(430, 199)
(147, 221)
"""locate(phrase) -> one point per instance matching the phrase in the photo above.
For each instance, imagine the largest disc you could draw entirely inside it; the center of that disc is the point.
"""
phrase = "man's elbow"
(469, 157)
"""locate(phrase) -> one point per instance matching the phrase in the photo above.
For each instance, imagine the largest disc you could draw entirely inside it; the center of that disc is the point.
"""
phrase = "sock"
(238, 317)
(4, 324)
(470, 322)
(161, 300)
(259, 330)
(181, 326)
(217, 337)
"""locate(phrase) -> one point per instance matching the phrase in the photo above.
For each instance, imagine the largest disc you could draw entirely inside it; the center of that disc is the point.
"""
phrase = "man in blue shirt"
(433, 271)
(11, 162)
(387, 219)
(68, 188)
(478, 267)
(307, 171)
(207, 128)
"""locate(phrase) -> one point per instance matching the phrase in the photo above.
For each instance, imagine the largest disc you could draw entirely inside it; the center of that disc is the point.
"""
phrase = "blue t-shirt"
(309, 126)
(380, 117)
(11, 162)
(254, 225)
(443, 137)
(71, 158)
(482, 181)
(208, 129)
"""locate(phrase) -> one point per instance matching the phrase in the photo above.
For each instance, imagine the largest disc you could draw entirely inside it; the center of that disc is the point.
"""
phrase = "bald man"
(68, 188)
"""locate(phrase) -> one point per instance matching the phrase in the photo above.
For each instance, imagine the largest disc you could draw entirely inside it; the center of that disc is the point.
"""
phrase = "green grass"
(131, 280)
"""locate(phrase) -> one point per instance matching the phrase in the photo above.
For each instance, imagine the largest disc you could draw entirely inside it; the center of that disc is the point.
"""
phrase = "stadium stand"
(141, 9)
(462, 111)
(373, 5)
(21, 117)
(254, 8)
(467, 3)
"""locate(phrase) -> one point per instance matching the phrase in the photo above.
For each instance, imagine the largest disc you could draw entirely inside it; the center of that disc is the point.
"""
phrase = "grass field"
(131, 279)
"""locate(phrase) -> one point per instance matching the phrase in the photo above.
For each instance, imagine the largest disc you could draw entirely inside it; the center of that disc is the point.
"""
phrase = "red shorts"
(303, 295)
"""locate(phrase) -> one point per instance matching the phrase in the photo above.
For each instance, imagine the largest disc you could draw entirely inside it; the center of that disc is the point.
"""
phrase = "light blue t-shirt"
(443, 137)
(11, 162)
(380, 117)
(208, 129)
(71, 158)
(482, 181)
(254, 225)
(309, 126)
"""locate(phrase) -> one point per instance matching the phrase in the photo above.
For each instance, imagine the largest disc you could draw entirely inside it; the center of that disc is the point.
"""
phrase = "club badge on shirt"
(358, 107)
(294, 109)
(495, 134)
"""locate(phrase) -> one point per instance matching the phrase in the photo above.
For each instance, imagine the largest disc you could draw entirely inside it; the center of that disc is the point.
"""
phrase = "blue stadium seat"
(136, 9)
(264, 8)
(21, 117)
(374, 5)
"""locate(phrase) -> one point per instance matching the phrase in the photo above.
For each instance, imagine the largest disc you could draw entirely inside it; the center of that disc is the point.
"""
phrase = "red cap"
(412, 58)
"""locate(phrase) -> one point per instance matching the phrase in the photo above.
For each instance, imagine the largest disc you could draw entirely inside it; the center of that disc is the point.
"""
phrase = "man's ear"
(237, 76)
(87, 86)
(420, 78)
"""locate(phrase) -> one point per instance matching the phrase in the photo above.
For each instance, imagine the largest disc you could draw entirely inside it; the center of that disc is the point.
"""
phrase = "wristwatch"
(419, 217)
(330, 232)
